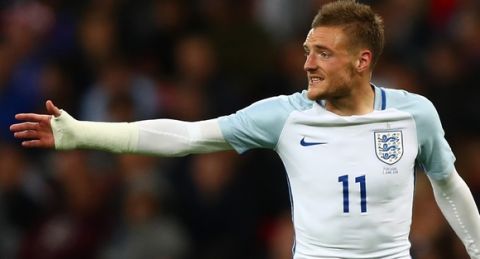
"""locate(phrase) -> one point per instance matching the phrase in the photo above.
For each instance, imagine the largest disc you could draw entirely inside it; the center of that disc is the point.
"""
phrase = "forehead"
(330, 37)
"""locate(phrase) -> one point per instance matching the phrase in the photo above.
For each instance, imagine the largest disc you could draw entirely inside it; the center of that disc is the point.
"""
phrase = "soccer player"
(349, 147)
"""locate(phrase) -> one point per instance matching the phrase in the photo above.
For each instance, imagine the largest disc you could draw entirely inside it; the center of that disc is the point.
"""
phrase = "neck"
(359, 101)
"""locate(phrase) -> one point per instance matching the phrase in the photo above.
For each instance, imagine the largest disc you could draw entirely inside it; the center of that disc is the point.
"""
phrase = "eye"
(324, 54)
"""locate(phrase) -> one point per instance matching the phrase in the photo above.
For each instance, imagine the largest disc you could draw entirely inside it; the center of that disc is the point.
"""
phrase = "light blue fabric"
(434, 153)
(260, 124)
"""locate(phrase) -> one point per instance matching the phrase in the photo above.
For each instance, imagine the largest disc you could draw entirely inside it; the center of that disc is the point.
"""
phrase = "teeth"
(315, 79)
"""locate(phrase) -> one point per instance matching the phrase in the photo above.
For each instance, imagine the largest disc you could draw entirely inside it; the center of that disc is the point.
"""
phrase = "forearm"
(177, 138)
(458, 206)
(158, 137)
(70, 133)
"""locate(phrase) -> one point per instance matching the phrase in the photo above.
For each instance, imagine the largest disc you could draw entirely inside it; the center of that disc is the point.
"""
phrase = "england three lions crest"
(389, 146)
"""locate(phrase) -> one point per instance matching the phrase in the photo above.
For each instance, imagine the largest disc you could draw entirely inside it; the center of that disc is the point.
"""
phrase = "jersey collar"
(380, 102)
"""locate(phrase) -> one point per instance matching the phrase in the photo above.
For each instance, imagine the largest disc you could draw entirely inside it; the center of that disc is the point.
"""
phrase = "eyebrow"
(317, 47)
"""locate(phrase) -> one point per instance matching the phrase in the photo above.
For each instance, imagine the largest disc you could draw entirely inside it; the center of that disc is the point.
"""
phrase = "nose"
(310, 63)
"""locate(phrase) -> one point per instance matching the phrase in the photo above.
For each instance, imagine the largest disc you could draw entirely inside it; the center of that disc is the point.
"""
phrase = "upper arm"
(260, 124)
(434, 153)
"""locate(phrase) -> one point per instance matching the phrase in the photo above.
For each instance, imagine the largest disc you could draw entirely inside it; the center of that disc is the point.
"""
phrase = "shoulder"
(434, 153)
(417, 105)
(278, 108)
(296, 101)
(421, 110)
(403, 99)
(260, 124)
(299, 101)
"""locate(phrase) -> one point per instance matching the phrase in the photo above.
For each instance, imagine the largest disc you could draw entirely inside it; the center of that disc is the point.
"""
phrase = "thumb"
(52, 109)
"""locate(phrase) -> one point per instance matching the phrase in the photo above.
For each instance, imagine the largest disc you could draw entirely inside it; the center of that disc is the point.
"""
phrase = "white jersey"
(351, 178)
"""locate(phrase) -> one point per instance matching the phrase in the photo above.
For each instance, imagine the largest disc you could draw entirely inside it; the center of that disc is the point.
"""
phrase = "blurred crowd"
(125, 60)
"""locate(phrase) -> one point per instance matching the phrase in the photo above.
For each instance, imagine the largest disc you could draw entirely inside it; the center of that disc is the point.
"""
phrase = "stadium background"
(117, 60)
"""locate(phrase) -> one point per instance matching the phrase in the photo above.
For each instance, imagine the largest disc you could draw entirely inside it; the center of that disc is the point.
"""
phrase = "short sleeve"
(260, 124)
(435, 155)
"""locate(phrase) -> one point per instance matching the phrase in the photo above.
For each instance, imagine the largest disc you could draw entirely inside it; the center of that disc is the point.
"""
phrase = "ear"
(364, 60)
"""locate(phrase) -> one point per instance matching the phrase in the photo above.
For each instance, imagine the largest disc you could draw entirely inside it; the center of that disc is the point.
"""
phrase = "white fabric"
(347, 201)
(176, 138)
(70, 133)
(162, 137)
(458, 206)
(167, 137)
(351, 178)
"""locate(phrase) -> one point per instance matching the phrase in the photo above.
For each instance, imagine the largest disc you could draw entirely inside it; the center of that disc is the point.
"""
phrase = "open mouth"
(315, 79)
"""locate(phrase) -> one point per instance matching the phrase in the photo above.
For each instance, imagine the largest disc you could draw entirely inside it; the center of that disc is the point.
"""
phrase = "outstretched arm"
(158, 137)
(457, 205)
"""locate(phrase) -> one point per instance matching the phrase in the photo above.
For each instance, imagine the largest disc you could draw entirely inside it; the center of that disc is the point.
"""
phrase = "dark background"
(191, 60)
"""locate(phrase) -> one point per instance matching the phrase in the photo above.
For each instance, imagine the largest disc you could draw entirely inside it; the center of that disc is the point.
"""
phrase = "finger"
(31, 117)
(26, 134)
(24, 126)
(52, 109)
(35, 143)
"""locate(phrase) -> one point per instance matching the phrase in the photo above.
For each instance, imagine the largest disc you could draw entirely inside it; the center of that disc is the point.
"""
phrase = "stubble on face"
(334, 86)
(332, 77)
(338, 84)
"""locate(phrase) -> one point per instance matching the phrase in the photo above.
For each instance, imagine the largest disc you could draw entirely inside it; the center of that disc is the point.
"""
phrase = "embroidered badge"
(389, 146)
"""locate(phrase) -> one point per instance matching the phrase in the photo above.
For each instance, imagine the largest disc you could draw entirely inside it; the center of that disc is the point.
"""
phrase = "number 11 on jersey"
(361, 180)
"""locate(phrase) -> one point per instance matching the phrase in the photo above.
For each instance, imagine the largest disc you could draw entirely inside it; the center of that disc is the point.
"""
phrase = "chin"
(314, 94)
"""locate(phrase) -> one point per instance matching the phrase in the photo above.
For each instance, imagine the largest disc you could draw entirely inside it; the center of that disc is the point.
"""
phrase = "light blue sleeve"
(434, 153)
(260, 124)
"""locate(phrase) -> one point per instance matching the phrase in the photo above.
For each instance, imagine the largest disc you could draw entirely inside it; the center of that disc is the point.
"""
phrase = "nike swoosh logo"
(306, 144)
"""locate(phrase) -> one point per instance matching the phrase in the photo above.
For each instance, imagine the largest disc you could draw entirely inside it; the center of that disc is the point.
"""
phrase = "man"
(349, 147)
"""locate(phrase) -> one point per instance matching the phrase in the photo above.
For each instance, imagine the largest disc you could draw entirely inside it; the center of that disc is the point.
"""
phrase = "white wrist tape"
(70, 133)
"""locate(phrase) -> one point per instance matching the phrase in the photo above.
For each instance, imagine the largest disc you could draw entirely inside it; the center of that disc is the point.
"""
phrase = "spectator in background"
(55, 82)
(145, 230)
(218, 207)
(288, 15)
(116, 78)
(280, 237)
(198, 73)
(24, 197)
(25, 28)
(149, 32)
(82, 221)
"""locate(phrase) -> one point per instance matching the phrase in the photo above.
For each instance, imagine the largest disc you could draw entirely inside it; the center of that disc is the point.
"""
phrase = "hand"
(36, 130)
